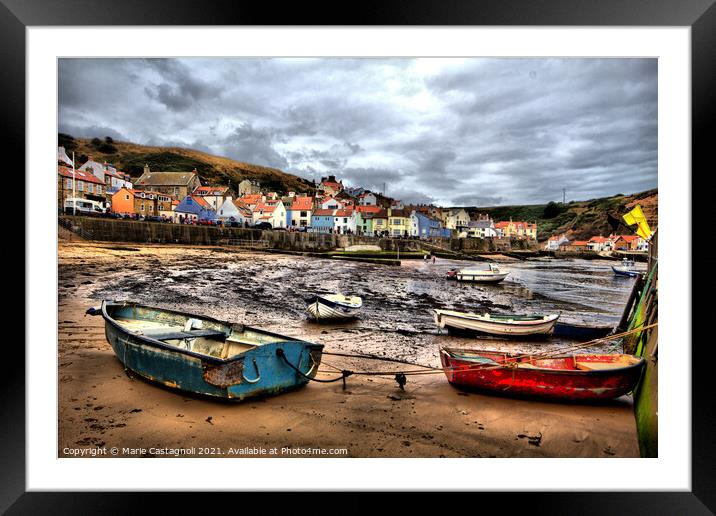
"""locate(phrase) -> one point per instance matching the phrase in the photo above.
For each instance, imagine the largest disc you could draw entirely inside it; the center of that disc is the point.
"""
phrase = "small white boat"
(333, 306)
(491, 275)
(496, 324)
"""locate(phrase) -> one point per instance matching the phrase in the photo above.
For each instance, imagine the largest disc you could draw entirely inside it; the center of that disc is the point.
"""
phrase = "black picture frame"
(700, 15)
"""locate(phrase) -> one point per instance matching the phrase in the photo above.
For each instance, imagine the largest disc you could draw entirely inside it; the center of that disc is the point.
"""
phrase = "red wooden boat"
(567, 377)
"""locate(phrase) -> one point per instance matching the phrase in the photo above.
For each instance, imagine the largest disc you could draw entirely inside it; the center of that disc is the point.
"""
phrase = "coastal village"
(100, 189)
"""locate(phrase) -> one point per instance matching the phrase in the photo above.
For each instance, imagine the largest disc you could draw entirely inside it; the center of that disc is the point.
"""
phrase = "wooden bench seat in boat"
(598, 366)
(163, 334)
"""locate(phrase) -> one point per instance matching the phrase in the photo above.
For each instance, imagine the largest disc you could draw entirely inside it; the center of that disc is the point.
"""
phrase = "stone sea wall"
(113, 230)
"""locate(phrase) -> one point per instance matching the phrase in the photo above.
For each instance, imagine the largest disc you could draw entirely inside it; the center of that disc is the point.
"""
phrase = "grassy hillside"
(577, 219)
(213, 170)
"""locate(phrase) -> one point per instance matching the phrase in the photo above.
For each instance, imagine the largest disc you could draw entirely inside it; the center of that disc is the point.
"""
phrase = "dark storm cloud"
(452, 131)
(252, 145)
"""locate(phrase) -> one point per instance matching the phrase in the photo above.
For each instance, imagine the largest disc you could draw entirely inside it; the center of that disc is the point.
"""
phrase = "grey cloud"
(253, 145)
(490, 130)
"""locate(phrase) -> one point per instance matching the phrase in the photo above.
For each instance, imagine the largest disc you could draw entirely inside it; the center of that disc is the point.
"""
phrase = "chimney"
(146, 168)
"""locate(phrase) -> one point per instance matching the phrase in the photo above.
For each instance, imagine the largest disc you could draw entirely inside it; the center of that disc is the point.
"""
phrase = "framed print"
(429, 242)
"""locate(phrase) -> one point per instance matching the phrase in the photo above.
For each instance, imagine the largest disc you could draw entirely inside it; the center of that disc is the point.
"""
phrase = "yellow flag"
(636, 216)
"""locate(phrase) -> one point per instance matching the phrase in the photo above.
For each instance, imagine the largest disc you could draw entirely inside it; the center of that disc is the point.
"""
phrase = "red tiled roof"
(331, 184)
(80, 175)
(598, 239)
(251, 198)
(302, 203)
(324, 213)
(201, 202)
(265, 207)
(210, 190)
(579, 243)
(368, 209)
(344, 213)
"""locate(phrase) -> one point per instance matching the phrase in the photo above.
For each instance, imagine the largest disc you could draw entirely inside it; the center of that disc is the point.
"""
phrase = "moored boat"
(627, 268)
(581, 332)
(206, 356)
(495, 324)
(333, 306)
(567, 377)
(472, 274)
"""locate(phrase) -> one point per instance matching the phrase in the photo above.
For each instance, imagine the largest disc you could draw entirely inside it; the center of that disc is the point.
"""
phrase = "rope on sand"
(400, 376)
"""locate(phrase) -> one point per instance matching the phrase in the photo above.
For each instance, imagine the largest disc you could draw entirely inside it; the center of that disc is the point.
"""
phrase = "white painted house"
(329, 203)
(555, 242)
(344, 221)
(272, 212)
(368, 199)
(234, 209)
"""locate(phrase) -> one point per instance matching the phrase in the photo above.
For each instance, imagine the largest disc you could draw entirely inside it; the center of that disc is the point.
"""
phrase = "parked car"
(263, 225)
(153, 218)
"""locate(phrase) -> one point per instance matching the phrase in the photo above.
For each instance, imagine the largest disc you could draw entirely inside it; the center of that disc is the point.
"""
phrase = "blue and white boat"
(627, 268)
(202, 355)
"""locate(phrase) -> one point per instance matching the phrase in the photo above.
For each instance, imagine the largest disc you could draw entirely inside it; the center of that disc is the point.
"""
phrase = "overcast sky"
(452, 131)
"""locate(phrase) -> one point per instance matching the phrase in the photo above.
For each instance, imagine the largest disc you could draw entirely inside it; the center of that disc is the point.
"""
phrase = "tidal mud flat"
(100, 406)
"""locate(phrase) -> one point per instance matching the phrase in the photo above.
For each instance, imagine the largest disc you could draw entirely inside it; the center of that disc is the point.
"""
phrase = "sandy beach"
(100, 407)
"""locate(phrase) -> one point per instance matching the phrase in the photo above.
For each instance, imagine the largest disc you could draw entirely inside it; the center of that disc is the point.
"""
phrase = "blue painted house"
(424, 227)
(194, 208)
(322, 221)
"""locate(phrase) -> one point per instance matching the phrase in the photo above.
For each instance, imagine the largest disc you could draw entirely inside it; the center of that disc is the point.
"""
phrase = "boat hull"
(322, 309)
(256, 372)
(482, 371)
(623, 272)
(481, 278)
(581, 333)
(457, 321)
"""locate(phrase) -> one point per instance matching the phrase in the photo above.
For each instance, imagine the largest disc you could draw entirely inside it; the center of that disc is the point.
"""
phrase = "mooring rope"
(512, 362)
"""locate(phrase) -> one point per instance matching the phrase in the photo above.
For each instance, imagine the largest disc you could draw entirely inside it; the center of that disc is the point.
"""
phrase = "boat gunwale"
(206, 358)
(536, 322)
(595, 372)
(328, 302)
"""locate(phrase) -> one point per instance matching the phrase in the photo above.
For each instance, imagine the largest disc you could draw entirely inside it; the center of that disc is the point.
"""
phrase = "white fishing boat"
(493, 324)
(491, 275)
(333, 306)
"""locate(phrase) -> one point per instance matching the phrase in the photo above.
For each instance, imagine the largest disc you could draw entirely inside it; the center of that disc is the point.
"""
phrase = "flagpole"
(74, 181)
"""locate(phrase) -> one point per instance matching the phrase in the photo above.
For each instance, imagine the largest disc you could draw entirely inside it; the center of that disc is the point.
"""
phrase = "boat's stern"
(270, 369)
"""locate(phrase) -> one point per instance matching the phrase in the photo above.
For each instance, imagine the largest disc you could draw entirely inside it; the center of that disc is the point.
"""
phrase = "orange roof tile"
(302, 203)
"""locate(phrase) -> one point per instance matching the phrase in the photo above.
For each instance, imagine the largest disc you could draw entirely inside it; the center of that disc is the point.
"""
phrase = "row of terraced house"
(330, 207)
(597, 244)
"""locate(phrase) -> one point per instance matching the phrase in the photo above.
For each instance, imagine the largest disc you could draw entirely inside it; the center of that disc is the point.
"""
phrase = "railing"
(78, 230)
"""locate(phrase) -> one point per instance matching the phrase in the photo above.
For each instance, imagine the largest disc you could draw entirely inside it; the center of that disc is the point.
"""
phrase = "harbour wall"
(113, 230)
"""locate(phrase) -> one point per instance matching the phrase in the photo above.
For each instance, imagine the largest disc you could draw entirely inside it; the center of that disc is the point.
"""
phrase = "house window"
(81, 186)
(69, 183)
(126, 197)
(99, 189)
(90, 188)
(150, 208)
(141, 207)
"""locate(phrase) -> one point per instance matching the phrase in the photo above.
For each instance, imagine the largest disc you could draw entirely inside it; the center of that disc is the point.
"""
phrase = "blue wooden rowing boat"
(627, 268)
(202, 355)
(580, 332)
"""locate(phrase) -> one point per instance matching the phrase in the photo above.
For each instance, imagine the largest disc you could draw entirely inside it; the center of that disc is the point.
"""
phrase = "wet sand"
(100, 407)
